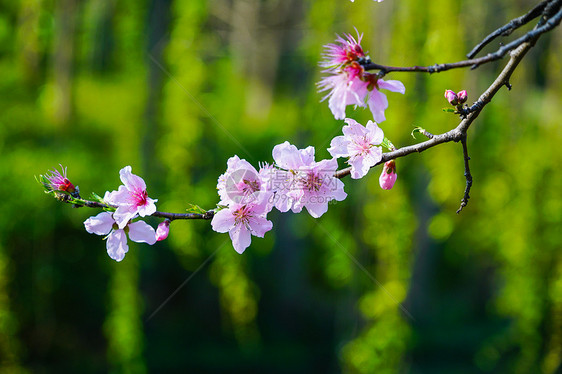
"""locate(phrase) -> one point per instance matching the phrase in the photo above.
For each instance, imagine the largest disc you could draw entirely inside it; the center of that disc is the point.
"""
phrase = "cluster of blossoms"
(349, 84)
(294, 181)
(130, 200)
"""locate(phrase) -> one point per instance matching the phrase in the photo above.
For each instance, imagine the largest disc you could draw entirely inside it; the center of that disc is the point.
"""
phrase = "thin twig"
(467, 175)
(475, 62)
(508, 28)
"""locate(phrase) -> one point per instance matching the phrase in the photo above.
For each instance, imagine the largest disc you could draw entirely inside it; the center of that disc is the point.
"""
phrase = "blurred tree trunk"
(65, 33)
(258, 32)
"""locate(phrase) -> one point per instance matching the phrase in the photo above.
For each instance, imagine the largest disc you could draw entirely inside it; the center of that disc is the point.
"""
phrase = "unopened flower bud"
(451, 97)
(163, 230)
(462, 96)
(388, 175)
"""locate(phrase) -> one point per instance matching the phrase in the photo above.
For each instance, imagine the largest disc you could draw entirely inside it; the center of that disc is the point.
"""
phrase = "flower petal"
(223, 221)
(392, 85)
(376, 134)
(377, 104)
(117, 245)
(260, 225)
(240, 237)
(287, 156)
(130, 180)
(142, 232)
(100, 224)
(338, 147)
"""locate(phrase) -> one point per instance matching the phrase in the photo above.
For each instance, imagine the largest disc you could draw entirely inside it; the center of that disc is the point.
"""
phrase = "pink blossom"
(359, 143)
(462, 96)
(58, 181)
(303, 182)
(104, 224)
(241, 183)
(369, 90)
(344, 89)
(352, 86)
(343, 51)
(163, 230)
(131, 198)
(388, 175)
(241, 221)
(451, 97)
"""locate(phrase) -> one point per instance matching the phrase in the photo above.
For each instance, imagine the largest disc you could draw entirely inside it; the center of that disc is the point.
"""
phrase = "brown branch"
(96, 204)
(530, 36)
(467, 175)
(508, 28)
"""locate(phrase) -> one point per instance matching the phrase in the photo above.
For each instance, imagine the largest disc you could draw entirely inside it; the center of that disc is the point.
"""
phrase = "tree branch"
(508, 28)
(532, 35)
(467, 175)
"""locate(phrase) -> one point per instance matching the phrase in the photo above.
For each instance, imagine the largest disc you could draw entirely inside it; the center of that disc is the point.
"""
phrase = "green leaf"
(193, 208)
(388, 144)
(449, 110)
(416, 130)
(96, 197)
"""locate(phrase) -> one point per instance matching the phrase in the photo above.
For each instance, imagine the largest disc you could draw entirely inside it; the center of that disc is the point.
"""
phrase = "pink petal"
(307, 155)
(142, 232)
(117, 245)
(163, 230)
(100, 224)
(317, 209)
(375, 133)
(338, 147)
(148, 209)
(287, 156)
(124, 214)
(358, 167)
(223, 221)
(392, 85)
(130, 180)
(354, 130)
(377, 104)
(241, 238)
(121, 196)
(260, 225)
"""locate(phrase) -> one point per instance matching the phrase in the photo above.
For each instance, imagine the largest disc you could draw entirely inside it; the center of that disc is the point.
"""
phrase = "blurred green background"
(173, 88)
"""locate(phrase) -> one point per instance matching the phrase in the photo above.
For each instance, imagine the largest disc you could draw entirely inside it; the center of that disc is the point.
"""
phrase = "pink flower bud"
(462, 96)
(388, 175)
(163, 230)
(451, 97)
(58, 181)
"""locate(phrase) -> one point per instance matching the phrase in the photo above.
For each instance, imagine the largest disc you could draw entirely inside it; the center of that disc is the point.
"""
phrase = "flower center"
(312, 181)
(242, 215)
(139, 197)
